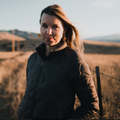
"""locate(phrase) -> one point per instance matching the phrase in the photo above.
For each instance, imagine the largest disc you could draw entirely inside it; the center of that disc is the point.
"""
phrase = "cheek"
(60, 34)
(42, 32)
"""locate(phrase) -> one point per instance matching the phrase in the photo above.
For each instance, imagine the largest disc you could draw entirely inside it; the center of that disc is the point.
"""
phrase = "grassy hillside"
(96, 47)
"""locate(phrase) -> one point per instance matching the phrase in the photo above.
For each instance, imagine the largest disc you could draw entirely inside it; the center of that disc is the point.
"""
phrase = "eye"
(54, 26)
(44, 25)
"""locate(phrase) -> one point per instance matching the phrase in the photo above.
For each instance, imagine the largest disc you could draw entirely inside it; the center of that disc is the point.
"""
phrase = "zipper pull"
(42, 63)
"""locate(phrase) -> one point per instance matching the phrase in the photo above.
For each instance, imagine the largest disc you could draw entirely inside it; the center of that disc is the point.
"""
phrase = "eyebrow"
(53, 24)
(43, 23)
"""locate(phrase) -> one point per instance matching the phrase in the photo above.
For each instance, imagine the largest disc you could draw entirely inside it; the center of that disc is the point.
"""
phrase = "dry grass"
(110, 88)
(13, 82)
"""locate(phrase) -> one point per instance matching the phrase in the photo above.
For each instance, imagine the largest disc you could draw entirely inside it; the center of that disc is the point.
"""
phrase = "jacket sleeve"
(85, 89)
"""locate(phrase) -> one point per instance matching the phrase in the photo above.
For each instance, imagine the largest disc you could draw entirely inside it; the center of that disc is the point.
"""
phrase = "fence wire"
(110, 108)
(106, 75)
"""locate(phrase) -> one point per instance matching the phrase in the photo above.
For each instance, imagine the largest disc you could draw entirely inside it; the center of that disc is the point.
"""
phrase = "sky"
(92, 18)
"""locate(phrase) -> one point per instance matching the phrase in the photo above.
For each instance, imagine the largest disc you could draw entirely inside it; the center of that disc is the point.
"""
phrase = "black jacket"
(53, 81)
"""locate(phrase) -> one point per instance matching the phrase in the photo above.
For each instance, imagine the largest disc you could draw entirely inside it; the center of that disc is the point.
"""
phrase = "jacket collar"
(42, 47)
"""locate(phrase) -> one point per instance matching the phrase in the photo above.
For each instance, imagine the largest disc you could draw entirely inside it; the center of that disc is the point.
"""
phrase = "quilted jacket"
(53, 81)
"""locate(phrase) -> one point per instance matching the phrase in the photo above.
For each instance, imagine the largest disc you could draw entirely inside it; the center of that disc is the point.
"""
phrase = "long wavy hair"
(71, 30)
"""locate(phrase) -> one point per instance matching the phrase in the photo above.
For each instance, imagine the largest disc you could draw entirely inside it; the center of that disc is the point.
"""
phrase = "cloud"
(103, 3)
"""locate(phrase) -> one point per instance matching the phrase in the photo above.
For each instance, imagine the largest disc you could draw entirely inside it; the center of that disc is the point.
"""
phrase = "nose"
(49, 31)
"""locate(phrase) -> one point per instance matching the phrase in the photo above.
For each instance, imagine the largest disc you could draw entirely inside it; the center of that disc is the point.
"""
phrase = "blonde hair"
(56, 10)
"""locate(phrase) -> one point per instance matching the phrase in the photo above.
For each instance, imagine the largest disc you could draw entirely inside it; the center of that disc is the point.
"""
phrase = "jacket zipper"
(35, 96)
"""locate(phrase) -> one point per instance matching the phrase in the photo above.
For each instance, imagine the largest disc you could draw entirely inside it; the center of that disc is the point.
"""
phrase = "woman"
(56, 72)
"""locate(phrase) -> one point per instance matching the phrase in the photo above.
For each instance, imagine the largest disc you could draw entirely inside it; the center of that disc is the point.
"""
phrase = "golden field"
(105, 55)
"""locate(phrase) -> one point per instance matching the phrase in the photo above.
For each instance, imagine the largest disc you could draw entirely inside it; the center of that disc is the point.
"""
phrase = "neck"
(50, 48)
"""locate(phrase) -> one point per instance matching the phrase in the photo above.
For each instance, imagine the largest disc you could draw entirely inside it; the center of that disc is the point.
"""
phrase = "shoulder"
(74, 54)
(76, 59)
(32, 56)
(32, 59)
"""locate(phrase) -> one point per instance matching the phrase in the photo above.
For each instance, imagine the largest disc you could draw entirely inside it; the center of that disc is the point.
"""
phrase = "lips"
(49, 38)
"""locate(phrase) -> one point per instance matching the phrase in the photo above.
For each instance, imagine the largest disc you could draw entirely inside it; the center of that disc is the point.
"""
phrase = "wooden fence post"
(18, 43)
(13, 42)
(99, 92)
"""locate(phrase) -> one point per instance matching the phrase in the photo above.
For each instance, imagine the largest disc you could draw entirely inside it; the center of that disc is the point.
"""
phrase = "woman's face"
(51, 29)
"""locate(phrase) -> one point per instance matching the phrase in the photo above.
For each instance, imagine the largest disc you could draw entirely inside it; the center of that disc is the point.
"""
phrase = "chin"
(49, 44)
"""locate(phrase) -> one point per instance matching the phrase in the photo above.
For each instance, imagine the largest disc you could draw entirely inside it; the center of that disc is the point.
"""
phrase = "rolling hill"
(108, 38)
(22, 34)
(31, 35)
(7, 36)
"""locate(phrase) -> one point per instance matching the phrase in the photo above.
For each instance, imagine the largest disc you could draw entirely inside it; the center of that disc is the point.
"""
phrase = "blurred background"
(98, 23)
(93, 18)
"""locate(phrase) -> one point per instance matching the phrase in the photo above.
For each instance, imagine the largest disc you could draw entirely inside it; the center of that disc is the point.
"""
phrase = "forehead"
(50, 19)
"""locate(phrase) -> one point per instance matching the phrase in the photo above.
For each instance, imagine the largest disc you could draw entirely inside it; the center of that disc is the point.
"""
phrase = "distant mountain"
(7, 36)
(31, 35)
(23, 34)
(108, 38)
